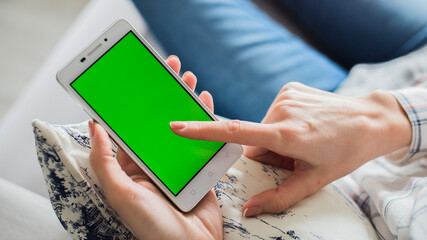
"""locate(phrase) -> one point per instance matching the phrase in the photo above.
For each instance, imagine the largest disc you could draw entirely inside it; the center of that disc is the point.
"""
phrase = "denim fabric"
(238, 53)
(362, 31)
(243, 57)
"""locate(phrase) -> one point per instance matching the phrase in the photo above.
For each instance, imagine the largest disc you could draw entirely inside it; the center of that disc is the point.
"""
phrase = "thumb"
(296, 187)
(104, 164)
(232, 131)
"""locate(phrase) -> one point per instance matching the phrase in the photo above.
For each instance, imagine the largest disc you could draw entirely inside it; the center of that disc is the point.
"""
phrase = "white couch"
(44, 99)
(24, 214)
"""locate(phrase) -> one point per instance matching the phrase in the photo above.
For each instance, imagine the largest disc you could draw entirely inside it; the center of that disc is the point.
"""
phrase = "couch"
(25, 211)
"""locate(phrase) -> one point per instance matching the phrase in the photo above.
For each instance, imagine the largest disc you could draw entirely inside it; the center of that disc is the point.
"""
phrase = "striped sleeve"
(414, 101)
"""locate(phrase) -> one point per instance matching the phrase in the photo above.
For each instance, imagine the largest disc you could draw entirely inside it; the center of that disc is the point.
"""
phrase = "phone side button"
(210, 174)
(193, 192)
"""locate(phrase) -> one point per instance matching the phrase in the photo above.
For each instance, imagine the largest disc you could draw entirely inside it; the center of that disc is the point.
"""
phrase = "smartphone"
(123, 84)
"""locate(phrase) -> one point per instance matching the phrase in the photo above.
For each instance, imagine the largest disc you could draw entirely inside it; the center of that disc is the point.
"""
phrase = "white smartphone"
(123, 84)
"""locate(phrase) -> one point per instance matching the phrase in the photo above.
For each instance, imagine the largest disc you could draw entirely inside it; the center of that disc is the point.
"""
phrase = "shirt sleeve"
(414, 102)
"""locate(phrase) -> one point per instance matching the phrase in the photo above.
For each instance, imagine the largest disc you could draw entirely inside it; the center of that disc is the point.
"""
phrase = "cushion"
(78, 201)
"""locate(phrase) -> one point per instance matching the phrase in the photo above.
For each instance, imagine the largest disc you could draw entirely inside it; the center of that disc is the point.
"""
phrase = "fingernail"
(178, 125)
(187, 73)
(91, 130)
(244, 212)
(252, 211)
(173, 56)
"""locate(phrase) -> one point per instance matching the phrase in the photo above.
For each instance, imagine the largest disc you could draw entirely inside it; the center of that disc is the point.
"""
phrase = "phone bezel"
(207, 177)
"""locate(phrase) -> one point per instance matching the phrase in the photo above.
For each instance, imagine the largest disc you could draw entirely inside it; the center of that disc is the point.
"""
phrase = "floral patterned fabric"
(78, 201)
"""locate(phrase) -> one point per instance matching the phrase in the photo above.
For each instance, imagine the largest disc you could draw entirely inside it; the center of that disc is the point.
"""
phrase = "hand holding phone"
(126, 87)
(139, 202)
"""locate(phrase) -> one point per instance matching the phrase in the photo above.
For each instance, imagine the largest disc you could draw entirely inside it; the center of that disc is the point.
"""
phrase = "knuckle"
(289, 95)
(199, 127)
(287, 104)
(202, 130)
(279, 107)
(284, 108)
(288, 137)
(290, 86)
(281, 203)
(233, 127)
(291, 132)
(295, 85)
(283, 90)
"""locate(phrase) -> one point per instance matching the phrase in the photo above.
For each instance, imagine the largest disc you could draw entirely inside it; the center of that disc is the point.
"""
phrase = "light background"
(29, 29)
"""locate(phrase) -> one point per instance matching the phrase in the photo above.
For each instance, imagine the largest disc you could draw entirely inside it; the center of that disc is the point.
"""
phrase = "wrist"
(392, 123)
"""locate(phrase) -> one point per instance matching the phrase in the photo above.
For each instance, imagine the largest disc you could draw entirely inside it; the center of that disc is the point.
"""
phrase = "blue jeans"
(240, 54)
(367, 31)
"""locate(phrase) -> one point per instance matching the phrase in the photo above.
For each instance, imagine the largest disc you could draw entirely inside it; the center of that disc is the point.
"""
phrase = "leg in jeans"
(359, 31)
(238, 53)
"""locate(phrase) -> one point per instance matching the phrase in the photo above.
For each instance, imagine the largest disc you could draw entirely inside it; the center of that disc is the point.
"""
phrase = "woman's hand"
(138, 201)
(319, 135)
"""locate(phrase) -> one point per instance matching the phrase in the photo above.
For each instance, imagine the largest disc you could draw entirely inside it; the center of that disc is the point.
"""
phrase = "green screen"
(138, 98)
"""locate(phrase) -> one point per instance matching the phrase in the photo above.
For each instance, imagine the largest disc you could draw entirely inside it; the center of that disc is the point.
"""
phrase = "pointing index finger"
(232, 131)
